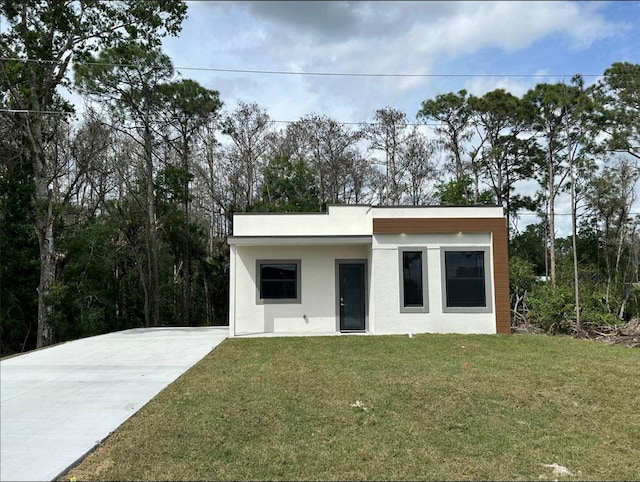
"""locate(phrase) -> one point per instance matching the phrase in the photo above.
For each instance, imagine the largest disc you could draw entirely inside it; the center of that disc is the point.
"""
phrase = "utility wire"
(31, 111)
(311, 73)
(278, 72)
(529, 213)
(167, 119)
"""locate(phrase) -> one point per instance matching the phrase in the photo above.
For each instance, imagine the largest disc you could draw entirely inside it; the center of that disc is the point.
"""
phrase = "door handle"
(341, 301)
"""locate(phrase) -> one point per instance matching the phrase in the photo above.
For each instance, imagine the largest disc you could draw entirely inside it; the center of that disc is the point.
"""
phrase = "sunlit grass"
(431, 407)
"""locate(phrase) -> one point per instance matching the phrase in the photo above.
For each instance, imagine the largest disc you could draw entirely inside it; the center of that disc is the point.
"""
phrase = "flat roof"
(298, 240)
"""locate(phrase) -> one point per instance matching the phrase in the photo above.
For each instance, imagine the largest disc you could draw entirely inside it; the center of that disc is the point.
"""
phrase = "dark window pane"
(278, 271)
(465, 278)
(278, 289)
(412, 278)
(278, 281)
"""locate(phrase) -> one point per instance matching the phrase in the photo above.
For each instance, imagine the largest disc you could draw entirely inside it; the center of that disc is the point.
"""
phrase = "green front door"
(351, 292)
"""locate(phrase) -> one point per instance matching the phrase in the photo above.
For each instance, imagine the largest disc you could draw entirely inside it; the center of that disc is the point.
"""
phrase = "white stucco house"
(370, 269)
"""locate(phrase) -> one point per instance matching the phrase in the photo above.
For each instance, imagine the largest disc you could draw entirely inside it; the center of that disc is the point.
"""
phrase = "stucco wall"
(387, 318)
(338, 221)
(345, 220)
(290, 237)
(318, 289)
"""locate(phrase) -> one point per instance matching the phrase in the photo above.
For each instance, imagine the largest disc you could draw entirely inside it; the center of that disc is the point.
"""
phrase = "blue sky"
(548, 40)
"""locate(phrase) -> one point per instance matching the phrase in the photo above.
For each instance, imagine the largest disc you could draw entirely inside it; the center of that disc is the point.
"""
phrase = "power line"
(528, 213)
(363, 74)
(31, 111)
(310, 73)
(166, 119)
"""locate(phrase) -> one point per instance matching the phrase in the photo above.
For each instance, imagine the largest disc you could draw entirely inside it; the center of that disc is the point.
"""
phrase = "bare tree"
(247, 126)
(92, 153)
(611, 195)
(330, 149)
(417, 159)
(213, 169)
(387, 134)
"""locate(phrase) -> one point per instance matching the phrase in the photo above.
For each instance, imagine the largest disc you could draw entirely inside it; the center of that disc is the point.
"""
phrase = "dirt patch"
(94, 472)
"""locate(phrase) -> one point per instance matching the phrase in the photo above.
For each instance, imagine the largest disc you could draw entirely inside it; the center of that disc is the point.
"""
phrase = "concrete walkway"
(58, 403)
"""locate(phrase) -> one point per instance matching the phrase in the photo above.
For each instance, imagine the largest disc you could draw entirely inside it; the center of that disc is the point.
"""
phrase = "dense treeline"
(118, 217)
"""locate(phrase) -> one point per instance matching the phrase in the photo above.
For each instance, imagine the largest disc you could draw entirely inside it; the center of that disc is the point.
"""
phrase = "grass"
(432, 407)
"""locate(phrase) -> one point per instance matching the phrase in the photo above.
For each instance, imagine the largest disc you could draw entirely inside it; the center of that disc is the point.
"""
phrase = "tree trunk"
(43, 212)
(574, 229)
(145, 290)
(552, 224)
(607, 262)
(44, 230)
(207, 301)
(153, 319)
(186, 249)
(546, 248)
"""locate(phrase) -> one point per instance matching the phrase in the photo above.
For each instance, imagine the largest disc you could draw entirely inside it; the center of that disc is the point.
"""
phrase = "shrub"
(552, 308)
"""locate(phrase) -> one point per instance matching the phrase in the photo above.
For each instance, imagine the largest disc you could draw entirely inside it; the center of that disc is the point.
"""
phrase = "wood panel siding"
(498, 229)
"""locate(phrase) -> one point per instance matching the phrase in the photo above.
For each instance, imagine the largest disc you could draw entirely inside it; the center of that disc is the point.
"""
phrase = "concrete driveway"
(58, 403)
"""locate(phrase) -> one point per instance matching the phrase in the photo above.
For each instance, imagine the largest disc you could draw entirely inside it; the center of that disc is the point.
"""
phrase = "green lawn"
(432, 407)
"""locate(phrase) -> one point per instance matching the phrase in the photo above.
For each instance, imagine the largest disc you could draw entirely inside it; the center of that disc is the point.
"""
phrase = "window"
(413, 293)
(278, 281)
(466, 284)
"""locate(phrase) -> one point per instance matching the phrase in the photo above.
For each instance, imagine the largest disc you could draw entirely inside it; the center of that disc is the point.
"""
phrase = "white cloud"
(387, 37)
(511, 26)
